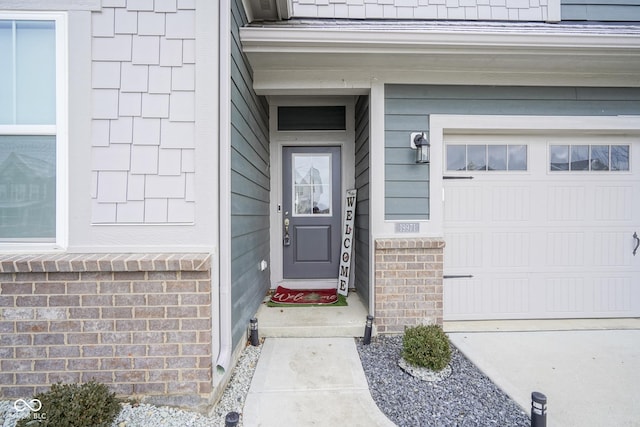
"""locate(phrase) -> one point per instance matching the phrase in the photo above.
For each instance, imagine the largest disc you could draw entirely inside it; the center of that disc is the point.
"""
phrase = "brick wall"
(408, 283)
(140, 323)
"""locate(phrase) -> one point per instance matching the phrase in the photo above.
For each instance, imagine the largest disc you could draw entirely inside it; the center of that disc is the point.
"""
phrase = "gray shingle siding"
(250, 175)
(407, 109)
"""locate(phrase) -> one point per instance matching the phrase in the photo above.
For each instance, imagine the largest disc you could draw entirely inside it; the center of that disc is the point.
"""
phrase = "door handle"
(635, 236)
(286, 241)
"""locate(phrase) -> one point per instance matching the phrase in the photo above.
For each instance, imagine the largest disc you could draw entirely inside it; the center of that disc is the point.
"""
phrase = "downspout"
(224, 170)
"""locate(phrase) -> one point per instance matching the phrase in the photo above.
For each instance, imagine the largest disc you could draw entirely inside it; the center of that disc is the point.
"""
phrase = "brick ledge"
(410, 243)
(111, 262)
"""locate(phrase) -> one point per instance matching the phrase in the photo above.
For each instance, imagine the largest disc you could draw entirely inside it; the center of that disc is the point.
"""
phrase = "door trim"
(345, 139)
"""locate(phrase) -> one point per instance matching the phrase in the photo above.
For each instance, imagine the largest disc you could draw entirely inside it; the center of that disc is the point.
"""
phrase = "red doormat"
(300, 297)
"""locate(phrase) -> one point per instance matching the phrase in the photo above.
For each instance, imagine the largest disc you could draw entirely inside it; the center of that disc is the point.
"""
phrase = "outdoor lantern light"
(253, 332)
(231, 419)
(420, 143)
(367, 330)
(538, 409)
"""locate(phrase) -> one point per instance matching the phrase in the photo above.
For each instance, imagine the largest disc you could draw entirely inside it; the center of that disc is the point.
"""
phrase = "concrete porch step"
(313, 322)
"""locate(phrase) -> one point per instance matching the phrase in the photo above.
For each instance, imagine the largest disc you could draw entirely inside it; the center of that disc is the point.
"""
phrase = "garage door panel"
(467, 196)
(512, 203)
(566, 203)
(565, 249)
(614, 296)
(464, 250)
(511, 296)
(612, 249)
(508, 297)
(542, 243)
(613, 203)
(565, 296)
(510, 249)
(466, 299)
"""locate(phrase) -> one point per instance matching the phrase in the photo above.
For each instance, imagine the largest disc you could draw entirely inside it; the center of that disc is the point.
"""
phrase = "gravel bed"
(143, 415)
(465, 398)
(234, 395)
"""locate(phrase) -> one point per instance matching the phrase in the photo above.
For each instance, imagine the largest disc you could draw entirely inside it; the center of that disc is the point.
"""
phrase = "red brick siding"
(408, 283)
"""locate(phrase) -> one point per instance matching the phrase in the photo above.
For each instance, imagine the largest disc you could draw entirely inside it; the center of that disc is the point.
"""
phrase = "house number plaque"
(407, 227)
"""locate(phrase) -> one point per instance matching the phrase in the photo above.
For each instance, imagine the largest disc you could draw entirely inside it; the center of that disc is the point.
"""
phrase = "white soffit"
(266, 10)
(600, 54)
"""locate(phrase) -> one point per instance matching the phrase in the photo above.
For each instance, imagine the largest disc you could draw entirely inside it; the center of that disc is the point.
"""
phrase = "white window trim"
(60, 130)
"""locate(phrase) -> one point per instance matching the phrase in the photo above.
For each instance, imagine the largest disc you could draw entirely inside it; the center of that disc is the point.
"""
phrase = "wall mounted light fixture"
(420, 143)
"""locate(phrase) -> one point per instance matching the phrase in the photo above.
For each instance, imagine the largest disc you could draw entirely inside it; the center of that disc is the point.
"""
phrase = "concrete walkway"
(590, 377)
(310, 381)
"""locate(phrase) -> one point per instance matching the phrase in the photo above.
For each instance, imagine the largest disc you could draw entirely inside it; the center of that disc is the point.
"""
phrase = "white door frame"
(277, 139)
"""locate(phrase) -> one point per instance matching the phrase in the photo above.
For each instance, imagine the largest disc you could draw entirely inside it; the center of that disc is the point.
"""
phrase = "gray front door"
(311, 212)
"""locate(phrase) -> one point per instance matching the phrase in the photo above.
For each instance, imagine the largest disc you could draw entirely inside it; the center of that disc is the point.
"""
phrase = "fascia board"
(625, 125)
(291, 40)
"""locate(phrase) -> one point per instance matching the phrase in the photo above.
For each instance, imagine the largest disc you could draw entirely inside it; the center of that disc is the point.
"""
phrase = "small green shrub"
(74, 405)
(426, 346)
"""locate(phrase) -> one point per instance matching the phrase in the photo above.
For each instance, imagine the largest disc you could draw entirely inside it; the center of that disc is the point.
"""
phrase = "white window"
(603, 157)
(482, 157)
(33, 129)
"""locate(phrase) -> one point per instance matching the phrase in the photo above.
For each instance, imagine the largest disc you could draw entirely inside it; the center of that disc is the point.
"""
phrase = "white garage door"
(545, 229)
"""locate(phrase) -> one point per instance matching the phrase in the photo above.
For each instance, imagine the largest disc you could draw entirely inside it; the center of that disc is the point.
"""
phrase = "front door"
(311, 212)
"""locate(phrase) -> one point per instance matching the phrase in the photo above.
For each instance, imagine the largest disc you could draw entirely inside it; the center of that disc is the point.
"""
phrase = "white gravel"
(143, 415)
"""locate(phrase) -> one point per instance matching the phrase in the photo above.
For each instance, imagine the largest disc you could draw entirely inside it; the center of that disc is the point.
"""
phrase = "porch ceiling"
(346, 55)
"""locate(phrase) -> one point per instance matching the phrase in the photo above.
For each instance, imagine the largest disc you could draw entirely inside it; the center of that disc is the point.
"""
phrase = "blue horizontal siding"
(407, 109)
(361, 223)
(250, 186)
(600, 10)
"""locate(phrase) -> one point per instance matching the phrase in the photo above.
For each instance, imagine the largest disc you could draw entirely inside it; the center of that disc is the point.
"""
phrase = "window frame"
(486, 145)
(589, 171)
(329, 157)
(60, 130)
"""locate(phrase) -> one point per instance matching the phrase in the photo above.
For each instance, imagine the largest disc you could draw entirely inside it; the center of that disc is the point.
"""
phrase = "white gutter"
(224, 144)
(402, 40)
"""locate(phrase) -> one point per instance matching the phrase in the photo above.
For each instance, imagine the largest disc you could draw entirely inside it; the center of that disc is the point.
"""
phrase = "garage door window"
(474, 157)
(589, 158)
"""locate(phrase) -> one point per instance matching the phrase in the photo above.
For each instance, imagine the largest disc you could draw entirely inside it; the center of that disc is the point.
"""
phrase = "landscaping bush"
(426, 346)
(74, 405)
